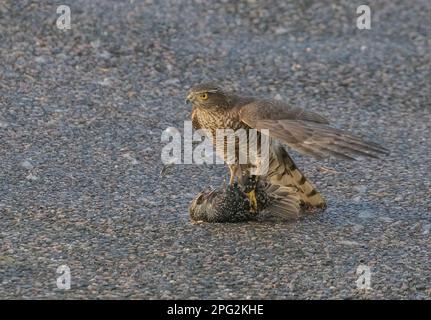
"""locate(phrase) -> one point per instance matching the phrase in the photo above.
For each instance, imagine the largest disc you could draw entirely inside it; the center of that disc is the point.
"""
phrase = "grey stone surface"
(86, 107)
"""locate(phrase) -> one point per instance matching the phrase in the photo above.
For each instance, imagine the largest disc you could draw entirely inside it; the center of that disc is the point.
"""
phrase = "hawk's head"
(207, 95)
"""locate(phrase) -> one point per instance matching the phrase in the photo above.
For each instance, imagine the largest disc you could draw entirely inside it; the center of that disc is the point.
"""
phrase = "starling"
(231, 204)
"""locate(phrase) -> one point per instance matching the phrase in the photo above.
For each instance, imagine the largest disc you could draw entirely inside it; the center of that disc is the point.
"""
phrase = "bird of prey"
(305, 131)
(231, 204)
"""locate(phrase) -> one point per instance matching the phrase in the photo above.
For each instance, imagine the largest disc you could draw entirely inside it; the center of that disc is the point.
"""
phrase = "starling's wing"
(305, 131)
(284, 201)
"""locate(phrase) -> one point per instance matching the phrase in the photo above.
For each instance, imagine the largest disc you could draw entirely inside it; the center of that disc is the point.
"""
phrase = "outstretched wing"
(277, 110)
(306, 132)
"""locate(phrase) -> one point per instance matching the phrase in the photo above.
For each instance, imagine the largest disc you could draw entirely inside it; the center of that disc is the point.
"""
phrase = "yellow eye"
(204, 96)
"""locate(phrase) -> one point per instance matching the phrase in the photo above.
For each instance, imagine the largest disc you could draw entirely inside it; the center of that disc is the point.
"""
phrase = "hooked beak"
(189, 98)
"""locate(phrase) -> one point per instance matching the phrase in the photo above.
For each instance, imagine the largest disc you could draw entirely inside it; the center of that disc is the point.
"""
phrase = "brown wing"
(307, 132)
(277, 110)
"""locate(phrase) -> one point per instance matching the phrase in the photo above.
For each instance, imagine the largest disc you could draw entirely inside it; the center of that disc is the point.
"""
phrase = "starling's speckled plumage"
(305, 131)
(225, 204)
(231, 204)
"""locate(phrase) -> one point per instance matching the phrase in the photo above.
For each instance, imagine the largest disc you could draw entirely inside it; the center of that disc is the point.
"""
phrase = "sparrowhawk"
(305, 131)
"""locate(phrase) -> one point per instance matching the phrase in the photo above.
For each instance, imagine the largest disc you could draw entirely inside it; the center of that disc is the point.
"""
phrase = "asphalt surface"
(81, 117)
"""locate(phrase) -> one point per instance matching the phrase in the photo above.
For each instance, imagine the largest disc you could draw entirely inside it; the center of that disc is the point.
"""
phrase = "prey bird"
(231, 204)
(305, 131)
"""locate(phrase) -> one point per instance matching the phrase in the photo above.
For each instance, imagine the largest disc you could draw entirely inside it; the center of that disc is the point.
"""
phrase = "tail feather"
(283, 171)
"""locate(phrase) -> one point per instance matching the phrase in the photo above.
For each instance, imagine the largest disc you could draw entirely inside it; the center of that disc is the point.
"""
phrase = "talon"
(253, 201)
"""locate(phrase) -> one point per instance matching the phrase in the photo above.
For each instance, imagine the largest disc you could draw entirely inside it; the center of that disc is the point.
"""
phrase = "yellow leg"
(253, 201)
(231, 179)
(232, 171)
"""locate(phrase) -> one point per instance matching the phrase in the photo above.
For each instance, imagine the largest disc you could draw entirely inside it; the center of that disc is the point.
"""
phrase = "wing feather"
(304, 132)
(276, 110)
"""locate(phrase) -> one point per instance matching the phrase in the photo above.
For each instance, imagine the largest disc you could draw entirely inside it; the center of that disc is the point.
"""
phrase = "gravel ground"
(81, 116)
